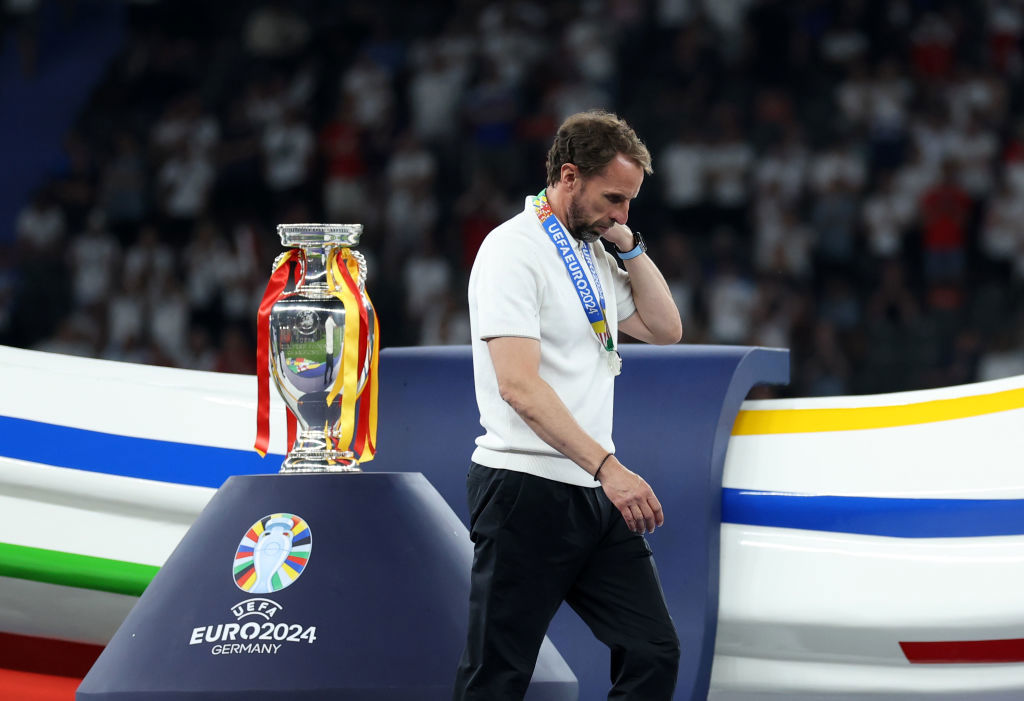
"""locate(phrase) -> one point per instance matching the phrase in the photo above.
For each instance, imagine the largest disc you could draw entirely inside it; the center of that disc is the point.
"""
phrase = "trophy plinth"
(318, 355)
(327, 610)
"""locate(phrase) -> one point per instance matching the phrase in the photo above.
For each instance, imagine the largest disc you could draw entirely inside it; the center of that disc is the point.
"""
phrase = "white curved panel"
(836, 597)
(45, 610)
(88, 513)
(961, 458)
(753, 679)
(142, 401)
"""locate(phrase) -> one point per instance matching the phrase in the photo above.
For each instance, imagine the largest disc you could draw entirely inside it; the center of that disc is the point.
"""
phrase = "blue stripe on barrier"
(896, 517)
(207, 466)
(165, 461)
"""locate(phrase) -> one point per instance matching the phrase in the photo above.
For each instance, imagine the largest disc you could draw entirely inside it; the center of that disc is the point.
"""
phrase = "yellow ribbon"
(347, 381)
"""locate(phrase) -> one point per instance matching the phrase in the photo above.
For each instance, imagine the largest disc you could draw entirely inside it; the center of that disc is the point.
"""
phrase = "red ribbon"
(364, 441)
(275, 287)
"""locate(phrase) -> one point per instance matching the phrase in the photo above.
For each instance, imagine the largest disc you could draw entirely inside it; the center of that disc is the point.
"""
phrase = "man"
(554, 515)
(330, 329)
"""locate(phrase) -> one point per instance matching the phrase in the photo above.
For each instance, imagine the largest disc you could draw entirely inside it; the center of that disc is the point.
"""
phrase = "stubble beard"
(580, 229)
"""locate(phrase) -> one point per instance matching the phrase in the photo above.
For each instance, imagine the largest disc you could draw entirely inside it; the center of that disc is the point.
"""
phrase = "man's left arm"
(656, 319)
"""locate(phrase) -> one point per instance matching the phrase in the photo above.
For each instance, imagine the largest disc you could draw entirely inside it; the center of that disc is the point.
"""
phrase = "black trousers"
(538, 543)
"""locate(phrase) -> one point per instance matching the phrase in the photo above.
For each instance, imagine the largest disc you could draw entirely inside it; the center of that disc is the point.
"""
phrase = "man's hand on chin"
(620, 236)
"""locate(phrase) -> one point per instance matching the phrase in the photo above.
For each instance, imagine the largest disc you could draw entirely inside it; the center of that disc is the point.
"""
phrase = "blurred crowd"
(844, 178)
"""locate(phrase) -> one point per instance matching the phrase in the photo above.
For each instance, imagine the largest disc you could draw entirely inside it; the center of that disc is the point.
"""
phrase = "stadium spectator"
(945, 210)
(813, 132)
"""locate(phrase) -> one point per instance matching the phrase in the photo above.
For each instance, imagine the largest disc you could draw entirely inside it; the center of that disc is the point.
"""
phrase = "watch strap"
(639, 247)
(637, 250)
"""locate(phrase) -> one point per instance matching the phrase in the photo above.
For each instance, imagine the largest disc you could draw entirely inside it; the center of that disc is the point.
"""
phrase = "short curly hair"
(590, 140)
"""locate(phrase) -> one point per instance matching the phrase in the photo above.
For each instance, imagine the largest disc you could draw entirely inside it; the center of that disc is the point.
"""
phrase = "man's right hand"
(632, 496)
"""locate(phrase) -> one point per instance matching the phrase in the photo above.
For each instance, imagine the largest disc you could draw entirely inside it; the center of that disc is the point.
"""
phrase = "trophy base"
(318, 461)
(302, 464)
(305, 468)
(312, 454)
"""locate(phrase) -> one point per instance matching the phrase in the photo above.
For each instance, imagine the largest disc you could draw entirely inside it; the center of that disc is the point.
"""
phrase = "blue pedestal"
(372, 606)
(674, 411)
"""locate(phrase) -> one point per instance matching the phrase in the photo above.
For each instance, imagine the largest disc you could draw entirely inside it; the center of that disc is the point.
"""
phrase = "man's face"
(580, 225)
(602, 200)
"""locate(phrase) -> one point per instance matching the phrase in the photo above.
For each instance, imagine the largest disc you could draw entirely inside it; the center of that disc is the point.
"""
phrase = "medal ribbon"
(275, 288)
(593, 305)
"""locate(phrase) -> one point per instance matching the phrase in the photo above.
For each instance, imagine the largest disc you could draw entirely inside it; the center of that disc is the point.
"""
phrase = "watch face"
(638, 240)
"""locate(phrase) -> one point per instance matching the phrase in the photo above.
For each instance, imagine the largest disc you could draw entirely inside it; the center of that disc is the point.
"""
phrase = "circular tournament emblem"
(272, 554)
(307, 322)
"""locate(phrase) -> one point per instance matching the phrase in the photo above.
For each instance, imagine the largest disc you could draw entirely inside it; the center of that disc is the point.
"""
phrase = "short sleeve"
(508, 291)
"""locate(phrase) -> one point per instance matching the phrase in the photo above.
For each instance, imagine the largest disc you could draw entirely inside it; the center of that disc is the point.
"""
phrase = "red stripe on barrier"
(62, 658)
(27, 686)
(965, 652)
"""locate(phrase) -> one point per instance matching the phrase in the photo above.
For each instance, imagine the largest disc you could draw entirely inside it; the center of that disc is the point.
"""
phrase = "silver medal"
(614, 362)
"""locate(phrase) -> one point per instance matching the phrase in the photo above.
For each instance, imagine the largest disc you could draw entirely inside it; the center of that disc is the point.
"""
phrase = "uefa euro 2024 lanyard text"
(593, 306)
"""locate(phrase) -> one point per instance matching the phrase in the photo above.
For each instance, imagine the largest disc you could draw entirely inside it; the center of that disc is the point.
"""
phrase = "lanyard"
(593, 305)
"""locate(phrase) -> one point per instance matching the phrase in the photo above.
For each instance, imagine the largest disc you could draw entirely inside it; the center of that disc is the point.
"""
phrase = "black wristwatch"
(639, 246)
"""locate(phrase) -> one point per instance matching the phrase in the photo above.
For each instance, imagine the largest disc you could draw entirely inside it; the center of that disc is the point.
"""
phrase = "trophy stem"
(315, 273)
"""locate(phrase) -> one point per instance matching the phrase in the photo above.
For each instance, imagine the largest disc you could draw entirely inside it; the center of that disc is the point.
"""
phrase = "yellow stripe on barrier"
(758, 422)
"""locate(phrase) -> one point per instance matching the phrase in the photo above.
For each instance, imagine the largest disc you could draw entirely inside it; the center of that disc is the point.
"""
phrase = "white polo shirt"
(519, 286)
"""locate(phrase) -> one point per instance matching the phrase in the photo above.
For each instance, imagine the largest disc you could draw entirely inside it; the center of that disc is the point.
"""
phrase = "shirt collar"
(576, 243)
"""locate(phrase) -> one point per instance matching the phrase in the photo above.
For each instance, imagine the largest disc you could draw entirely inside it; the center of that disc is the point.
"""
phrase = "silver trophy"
(307, 344)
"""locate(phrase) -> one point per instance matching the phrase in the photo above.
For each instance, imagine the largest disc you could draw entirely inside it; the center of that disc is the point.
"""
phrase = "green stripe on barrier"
(71, 570)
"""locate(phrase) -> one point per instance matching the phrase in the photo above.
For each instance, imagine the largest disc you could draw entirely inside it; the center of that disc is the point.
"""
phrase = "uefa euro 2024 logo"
(272, 554)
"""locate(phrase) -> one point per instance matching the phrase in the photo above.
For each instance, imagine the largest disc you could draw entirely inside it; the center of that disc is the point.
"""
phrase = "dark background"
(843, 179)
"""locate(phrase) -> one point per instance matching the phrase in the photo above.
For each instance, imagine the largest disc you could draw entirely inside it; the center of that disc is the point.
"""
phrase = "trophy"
(318, 339)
